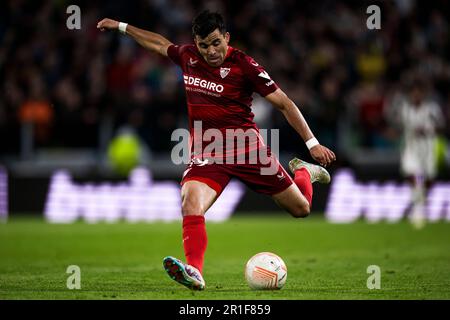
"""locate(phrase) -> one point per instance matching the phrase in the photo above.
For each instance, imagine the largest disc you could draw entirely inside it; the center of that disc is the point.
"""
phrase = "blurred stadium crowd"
(75, 84)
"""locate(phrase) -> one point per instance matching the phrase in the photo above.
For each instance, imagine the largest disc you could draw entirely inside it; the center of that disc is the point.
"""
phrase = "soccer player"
(420, 119)
(219, 83)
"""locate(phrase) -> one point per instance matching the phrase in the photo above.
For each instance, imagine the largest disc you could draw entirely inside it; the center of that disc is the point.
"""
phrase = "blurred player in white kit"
(420, 120)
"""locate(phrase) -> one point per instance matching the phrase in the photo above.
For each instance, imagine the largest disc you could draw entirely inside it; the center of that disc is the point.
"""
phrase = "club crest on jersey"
(224, 72)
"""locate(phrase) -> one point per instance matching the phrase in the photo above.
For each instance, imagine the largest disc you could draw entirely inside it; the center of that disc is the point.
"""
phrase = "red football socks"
(194, 240)
(303, 181)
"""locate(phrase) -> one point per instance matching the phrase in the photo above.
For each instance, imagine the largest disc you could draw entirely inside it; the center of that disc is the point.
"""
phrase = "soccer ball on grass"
(266, 271)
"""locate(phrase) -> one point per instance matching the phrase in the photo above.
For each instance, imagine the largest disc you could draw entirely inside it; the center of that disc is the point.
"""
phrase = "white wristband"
(312, 143)
(123, 27)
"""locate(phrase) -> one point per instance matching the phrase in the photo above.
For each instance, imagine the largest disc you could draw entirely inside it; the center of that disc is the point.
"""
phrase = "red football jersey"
(221, 97)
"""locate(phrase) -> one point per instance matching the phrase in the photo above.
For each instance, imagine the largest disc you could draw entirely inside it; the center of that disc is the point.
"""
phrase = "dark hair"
(417, 84)
(206, 22)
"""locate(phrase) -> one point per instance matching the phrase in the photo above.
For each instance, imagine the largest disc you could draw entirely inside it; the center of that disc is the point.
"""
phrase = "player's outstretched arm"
(281, 101)
(149, 40)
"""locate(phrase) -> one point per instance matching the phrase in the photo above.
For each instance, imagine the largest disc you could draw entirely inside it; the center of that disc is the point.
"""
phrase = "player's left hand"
(323, 155)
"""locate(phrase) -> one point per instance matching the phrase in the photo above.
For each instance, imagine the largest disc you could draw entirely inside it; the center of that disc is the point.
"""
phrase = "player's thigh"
(267, 179)
(293, 201)
(196, 198)
(410, 163)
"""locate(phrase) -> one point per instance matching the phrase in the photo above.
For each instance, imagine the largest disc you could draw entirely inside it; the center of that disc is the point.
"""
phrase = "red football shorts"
(217, 176)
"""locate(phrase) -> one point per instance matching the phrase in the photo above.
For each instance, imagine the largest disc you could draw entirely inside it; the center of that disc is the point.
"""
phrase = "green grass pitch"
(124, 261)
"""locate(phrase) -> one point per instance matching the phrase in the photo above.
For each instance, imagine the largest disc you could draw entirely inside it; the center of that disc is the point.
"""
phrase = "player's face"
(417, 96)
(214, 47)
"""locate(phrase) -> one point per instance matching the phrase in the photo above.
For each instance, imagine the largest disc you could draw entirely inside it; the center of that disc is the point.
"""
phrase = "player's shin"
(417, 215)
(303, 181)
(194, 240)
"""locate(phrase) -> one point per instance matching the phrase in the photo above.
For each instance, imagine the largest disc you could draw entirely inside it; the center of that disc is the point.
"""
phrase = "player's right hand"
(108, 24)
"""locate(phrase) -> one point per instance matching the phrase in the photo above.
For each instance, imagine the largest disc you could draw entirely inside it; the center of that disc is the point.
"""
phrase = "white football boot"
(316, 172)
(183, 273)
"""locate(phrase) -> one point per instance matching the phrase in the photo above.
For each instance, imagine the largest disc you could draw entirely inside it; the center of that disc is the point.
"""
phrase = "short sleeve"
(259, 78)
(174, 53)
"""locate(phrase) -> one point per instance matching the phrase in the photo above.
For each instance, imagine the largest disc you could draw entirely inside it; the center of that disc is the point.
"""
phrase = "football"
(265, 271)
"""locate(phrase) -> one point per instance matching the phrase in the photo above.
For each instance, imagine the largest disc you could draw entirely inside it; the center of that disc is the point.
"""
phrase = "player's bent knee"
(301, 211)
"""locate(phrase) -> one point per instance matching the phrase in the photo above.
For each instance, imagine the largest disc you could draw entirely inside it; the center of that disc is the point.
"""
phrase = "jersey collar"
(229, 51)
